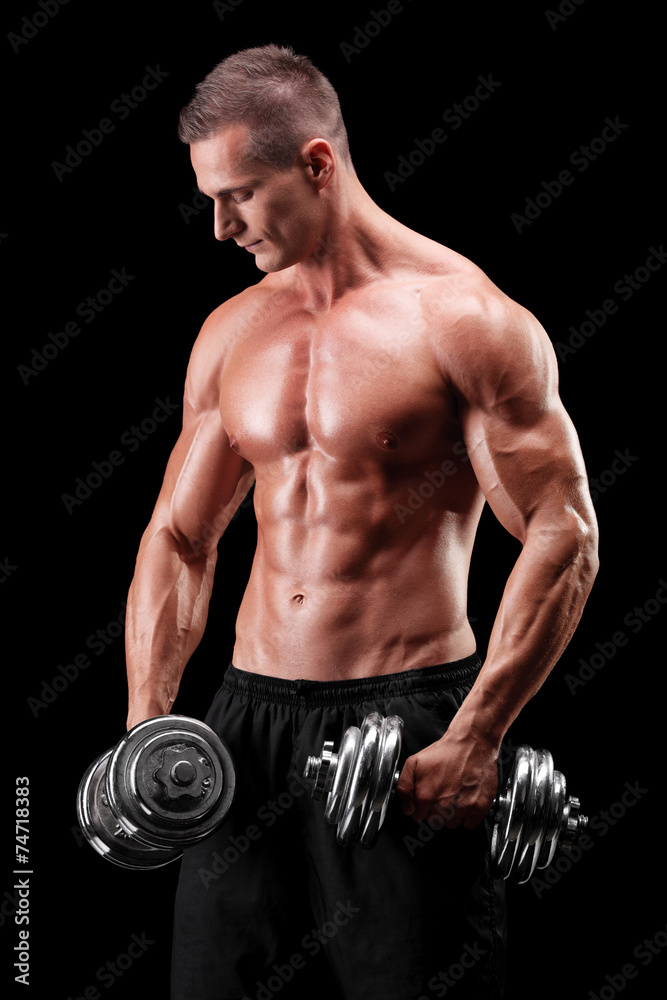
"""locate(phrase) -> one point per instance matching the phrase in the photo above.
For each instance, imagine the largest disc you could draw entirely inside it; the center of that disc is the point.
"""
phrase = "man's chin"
(266, 266)
(271, 265)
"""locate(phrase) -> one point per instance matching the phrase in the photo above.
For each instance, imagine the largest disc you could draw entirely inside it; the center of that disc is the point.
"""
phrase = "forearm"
(166, 616)
(541, 606)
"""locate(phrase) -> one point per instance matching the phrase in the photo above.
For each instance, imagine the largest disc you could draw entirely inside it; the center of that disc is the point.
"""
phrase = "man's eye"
(243, 197)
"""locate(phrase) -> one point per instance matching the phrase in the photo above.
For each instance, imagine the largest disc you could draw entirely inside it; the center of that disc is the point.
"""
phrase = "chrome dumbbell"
(168, 784)
(531, 815)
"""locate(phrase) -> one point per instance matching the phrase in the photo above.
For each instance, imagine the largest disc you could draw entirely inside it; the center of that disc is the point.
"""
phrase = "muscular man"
(377, 389)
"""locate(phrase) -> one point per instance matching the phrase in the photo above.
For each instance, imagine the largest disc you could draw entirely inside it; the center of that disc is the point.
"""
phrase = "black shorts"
(272, 906)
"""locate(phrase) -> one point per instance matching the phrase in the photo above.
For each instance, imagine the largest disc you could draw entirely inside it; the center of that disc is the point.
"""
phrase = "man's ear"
(319, 157)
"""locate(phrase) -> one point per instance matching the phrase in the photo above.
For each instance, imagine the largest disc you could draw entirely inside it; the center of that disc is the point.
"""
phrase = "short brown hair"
(281, 97)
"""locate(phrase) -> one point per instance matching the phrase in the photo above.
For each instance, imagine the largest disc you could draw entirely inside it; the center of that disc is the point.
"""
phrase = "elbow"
(195, 547)
(590, 557)
(568, 542)
(583, 539)
(195, 536)
(189, 547)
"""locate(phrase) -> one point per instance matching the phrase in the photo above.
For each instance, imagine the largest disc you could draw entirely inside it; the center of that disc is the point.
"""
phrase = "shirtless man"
(370, 366)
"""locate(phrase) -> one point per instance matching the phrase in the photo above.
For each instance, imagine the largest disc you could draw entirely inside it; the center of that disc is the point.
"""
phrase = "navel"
(298, 598)
(386, 439)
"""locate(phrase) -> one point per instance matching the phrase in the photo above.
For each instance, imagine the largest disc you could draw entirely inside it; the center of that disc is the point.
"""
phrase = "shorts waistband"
(263, 687)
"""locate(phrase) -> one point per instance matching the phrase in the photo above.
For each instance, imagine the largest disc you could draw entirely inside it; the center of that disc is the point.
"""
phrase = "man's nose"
(225, 224)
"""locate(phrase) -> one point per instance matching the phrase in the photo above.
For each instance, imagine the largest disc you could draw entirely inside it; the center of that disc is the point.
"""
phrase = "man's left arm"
(526, 456)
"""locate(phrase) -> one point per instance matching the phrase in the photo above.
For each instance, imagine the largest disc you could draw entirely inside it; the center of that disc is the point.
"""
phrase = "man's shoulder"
(223, 326)
(477, 329)
(456, 289)
(222, 323)
(463, 306)
(217, 335)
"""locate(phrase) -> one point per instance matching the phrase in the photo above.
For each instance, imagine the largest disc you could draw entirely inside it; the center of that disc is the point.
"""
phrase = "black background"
(66, 573)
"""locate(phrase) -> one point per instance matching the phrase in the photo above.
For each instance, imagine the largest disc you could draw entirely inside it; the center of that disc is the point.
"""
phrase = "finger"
(448, 816)
(474, 817)
(406, 787)
(424, 805)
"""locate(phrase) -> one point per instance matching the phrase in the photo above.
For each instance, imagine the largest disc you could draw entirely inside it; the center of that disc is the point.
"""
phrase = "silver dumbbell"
(531, 815)
(168, 784)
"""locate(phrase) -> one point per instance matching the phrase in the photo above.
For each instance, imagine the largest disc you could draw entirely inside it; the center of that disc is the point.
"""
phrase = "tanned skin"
(366, 358)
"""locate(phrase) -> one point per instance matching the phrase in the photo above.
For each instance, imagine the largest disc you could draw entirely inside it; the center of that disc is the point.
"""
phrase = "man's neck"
(357, 246)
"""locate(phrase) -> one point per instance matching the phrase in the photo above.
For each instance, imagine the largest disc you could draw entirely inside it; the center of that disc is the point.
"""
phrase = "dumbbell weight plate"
(365, 778)
(383, 780)
(170, 781)
(103, 831)
(536, 818)
(362, 769)
(510, 811)
(529, 816)
(559, 799)
(344, 761)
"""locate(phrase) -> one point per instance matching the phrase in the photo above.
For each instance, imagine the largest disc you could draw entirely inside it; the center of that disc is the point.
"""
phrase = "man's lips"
(251, 246)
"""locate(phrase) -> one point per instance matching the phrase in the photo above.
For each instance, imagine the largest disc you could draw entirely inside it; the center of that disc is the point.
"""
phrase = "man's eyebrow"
(223, 191)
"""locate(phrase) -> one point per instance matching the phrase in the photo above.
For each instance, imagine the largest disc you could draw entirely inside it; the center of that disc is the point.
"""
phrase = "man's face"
(277, 215)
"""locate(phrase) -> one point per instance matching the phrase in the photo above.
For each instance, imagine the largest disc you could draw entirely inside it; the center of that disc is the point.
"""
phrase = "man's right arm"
(204, 484)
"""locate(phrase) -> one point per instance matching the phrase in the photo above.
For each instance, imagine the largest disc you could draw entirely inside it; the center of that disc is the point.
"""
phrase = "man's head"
(267, 135)
(279, 96)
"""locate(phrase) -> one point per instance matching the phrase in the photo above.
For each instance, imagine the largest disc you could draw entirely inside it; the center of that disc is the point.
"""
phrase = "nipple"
(386, 439)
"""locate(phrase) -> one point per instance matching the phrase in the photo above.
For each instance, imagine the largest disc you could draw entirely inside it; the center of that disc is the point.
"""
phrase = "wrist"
(489, 709)
(146, 704)
(151, 691)
(473, 725)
